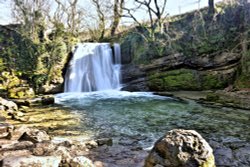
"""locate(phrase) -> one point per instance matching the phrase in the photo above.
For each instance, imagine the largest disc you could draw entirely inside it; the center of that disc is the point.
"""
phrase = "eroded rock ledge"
(179, 72)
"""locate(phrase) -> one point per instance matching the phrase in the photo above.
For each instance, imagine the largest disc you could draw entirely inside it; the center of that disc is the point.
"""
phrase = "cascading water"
(92, 68)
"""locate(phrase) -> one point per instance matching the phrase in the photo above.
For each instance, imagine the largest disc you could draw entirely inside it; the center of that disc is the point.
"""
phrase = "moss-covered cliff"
(28, 63)
(209, 52)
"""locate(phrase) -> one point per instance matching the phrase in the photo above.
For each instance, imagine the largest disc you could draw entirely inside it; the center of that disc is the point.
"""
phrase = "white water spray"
(92, 68)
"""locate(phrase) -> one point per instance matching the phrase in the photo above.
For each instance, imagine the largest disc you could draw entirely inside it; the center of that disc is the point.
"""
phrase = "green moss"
(243, 82)
(212, 97)
(2, 65)
(141, 47)
(182, 79)
(12, 95)
(156, 84)
(209, 162)
(21, 94)
(213, 82)
(34, 58)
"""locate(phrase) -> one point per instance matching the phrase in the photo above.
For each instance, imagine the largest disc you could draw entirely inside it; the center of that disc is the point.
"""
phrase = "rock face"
(179, 72)
(181, 148)
(170, 62)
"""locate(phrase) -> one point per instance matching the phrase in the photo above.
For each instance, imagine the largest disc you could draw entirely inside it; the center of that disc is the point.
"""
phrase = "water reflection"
(146, 116)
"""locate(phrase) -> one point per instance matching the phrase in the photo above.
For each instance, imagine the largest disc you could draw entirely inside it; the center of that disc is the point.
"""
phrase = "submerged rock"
(181, 148)
(104, 141)
(47, 100)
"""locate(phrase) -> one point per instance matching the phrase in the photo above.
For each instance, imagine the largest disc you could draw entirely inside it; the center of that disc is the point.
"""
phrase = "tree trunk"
(117, 17)
(244, 37)
(211, 8)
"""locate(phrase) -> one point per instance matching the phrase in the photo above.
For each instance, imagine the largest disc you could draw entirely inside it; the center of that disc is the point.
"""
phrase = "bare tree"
(118, 10)
(31, 14)
(101, 18)
(156, 13)
(70, 13)
(245, 44)
(211, 8)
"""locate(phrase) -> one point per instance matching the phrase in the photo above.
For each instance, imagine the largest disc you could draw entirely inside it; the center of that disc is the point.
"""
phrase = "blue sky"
(173, 7)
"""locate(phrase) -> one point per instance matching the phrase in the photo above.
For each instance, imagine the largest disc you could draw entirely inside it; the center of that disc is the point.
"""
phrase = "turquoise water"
(144, 117)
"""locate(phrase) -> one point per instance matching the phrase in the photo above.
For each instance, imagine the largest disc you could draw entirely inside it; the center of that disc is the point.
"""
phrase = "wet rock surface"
(34, 148)
(233, 154)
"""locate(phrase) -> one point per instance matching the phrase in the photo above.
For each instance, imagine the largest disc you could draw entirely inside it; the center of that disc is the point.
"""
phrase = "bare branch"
(130, 15)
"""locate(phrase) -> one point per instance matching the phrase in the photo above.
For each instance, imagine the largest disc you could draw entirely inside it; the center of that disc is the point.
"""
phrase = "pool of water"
(146, 117)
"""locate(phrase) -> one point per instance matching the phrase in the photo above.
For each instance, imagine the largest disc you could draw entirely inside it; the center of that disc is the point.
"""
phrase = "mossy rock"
(182, 79)
(243, 82)
(20, 92)
(212, 97)
(210, 162)
(213, 81)
(186, 79)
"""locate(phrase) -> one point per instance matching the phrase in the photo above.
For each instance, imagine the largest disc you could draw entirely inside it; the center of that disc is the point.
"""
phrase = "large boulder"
(181, 148)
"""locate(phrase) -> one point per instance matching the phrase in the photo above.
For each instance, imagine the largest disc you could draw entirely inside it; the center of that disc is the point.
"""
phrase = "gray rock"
(5, 130)
(213, 61)
(2, 108)
(81, 161)
(18, 146)
(9, 105)
(35, 136)
(44, 148)
(27, 161)
(181, 148)
(18, 132)
(62, 152)
(12, 153)
(91, 144)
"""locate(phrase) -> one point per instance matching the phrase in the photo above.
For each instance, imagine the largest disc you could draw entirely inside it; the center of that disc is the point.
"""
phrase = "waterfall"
(92, 68)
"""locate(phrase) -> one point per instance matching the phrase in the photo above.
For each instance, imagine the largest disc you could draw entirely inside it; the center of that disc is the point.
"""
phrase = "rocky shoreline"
(32, 147)
(220, 98)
